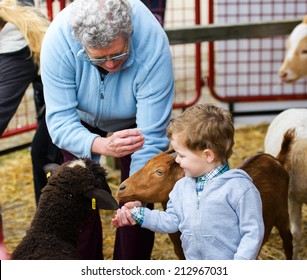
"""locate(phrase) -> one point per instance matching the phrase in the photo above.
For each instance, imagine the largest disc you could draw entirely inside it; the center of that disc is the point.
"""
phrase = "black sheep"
(74, 190)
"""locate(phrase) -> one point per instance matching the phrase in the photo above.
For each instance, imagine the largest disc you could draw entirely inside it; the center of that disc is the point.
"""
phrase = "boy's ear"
(209, 155)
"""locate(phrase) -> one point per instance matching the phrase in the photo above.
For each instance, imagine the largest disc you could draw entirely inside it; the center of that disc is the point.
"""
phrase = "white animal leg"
(295, 215)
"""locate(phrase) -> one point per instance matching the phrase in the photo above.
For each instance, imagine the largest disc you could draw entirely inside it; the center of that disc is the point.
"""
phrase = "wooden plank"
(214, 32)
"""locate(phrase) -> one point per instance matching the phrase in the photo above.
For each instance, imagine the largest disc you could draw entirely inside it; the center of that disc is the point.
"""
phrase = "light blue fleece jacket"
(223, 223)
(141, 92)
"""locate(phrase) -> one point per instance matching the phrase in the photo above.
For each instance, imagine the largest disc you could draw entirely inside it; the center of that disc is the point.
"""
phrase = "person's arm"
(251, 225)
(159, 221)
(154, 83)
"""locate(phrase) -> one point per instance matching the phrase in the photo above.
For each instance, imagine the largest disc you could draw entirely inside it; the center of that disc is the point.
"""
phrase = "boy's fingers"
(129, 218)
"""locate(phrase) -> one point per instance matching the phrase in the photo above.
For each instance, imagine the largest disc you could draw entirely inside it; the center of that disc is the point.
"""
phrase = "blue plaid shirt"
(203, 180)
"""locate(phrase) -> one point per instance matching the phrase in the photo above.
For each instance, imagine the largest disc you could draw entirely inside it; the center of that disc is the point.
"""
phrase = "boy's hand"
(123, 215)
(131, 204)
(123, 218)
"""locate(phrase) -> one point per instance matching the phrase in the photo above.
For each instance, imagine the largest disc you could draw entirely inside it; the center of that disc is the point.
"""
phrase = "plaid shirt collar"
(203, 180)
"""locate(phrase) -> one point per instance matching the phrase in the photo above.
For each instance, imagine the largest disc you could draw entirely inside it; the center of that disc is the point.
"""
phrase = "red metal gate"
(186, 58)
(246, 69)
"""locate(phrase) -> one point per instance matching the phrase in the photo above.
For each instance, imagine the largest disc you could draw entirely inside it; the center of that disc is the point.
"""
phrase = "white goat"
(294, 65)
(292, 119)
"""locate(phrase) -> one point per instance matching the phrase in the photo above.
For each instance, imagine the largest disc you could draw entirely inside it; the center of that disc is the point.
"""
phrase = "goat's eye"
(304, 51)
(159, 172)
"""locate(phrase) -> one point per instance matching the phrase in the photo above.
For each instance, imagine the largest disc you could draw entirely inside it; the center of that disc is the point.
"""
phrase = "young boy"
(217, 210)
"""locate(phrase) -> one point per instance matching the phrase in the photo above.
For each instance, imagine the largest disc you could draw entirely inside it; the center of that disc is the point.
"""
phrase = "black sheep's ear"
(50, 168)
(101, 199)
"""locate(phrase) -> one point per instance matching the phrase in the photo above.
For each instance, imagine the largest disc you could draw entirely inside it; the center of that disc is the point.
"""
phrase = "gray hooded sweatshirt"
(223, 222)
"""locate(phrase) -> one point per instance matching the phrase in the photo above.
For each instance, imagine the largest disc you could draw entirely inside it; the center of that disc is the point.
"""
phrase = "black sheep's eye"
(159, 172)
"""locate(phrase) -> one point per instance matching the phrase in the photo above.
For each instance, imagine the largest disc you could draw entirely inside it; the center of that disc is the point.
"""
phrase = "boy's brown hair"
(205, 126)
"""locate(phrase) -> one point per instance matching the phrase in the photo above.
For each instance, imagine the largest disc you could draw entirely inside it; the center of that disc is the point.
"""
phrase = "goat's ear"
(50, 168)
(101, 199)
(170, 151)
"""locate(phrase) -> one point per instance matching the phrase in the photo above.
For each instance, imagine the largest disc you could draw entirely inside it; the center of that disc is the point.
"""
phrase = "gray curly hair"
(97, 23)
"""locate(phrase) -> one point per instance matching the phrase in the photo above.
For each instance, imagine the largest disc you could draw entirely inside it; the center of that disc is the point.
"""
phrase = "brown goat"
(156, 179)
(152, 184)
(271, 179)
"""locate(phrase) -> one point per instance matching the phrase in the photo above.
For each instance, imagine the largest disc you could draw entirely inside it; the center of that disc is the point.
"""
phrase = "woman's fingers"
(125, 142)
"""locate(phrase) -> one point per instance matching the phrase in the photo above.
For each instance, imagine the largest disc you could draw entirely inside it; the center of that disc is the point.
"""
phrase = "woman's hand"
(119, 144)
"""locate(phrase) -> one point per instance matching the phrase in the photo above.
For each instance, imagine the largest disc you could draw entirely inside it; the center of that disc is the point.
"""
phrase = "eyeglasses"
(113, 58)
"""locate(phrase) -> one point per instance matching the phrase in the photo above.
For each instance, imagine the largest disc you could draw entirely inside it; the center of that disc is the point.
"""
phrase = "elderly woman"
(106, 70)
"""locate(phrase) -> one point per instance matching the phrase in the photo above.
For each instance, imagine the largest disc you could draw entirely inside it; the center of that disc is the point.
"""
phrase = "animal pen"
(245, 69)
(224, 50)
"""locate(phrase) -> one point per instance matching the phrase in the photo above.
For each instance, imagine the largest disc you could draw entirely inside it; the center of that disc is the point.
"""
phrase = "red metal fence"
(246, 69)
(187, 58)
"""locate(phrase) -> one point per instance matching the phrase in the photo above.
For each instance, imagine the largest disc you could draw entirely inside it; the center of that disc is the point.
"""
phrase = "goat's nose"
(121, 187)
(283, 74)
